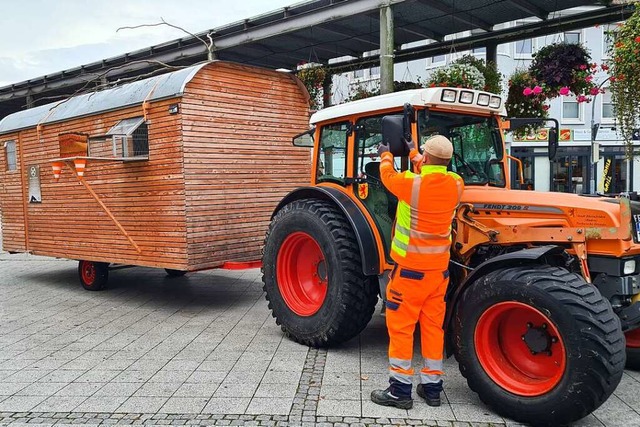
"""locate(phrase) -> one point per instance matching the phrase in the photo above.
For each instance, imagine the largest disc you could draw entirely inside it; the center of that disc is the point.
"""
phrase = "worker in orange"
(420, 249)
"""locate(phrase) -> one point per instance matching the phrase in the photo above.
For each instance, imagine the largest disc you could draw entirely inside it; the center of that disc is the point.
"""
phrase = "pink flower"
(564, 91)
(583, 67)
(537, 90)
(588, 78)
(582, 98)
(527, 91)
(594, 91)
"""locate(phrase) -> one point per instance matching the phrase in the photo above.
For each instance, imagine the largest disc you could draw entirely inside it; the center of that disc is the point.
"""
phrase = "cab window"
(332, 155)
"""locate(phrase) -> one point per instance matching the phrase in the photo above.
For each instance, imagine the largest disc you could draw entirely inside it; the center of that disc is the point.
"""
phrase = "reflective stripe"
(415, 199)
(400, 363)
(400, 370)
(400, 245)
(430, 378)
(428, 249)
(433, 364)
(421, 235)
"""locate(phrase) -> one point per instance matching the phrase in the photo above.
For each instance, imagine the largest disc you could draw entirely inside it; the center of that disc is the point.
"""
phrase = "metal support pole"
(491, 54)
(29, 100)
(326, 89)
(386, 49)
(594, 145)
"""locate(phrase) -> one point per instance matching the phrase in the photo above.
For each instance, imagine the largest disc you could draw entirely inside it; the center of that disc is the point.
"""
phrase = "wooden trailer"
(180, 171)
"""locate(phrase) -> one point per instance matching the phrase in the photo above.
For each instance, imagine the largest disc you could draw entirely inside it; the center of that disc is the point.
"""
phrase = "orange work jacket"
(426, 207)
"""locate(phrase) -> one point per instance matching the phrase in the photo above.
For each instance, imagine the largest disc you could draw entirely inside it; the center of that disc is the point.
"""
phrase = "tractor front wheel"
(312, 274)
(93, 275)
(539, 344)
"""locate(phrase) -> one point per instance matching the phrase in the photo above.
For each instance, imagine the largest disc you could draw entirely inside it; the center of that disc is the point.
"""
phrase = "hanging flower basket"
(564, 68)
(625, 76)
(457, 75)
(369, 89)
(492, 77)
(312, 76)
(526, 98)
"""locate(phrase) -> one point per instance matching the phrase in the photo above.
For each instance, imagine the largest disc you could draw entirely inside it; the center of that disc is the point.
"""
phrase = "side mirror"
(393, 135)
(517, 122)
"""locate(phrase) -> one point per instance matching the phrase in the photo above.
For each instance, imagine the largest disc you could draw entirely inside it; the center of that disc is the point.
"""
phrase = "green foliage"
(625, 76)
(520, 105)
(458, 75)
(492, 78)
(564, 65)
(313, 78)
(366, 90)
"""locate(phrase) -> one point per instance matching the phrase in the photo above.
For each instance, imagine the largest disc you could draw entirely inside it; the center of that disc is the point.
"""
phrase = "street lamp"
(595, 147)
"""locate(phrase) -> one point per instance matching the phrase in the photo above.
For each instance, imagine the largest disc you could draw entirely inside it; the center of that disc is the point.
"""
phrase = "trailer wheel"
(633, 349)
(175, 273)
(538, 344)
(312, 275)
(93, 275)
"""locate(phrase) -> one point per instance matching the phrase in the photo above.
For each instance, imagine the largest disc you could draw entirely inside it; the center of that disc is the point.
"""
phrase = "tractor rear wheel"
(633, 349)
(93, 275)
(312, 275)
(539, 344)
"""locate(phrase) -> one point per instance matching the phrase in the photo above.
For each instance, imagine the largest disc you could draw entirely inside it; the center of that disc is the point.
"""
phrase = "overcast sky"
(45, 36)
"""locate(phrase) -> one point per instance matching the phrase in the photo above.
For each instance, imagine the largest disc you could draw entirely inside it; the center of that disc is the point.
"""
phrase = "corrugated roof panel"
(158, 87)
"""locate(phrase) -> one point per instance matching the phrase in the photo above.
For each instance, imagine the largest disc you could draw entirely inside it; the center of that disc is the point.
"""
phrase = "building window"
(358, 74)
(10, 151)
(572, 37)
(571, 110)
(479, 50)
(131, 138)
(608, 114)
(608, 35)
(438, 60)
(524, 48)
(375, 71)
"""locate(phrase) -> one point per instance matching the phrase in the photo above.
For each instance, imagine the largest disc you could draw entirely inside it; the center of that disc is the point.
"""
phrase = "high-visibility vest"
(426, 208)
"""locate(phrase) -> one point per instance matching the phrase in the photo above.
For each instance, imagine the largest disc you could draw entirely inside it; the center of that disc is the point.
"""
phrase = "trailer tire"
(538, 344)
(633, 349)
(312, 275)
(93, 275)
(175, 273)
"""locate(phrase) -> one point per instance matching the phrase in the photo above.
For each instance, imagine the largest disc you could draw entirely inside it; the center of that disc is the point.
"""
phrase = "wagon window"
(130, 137)
(10, 151)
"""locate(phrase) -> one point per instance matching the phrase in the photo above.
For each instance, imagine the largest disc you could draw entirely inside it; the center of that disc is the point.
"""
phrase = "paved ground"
(202, 349)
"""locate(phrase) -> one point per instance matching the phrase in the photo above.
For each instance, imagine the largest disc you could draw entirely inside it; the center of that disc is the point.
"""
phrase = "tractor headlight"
(495, 102)
(483, 99)
(629, 266)
(448, 95)
(466, 97)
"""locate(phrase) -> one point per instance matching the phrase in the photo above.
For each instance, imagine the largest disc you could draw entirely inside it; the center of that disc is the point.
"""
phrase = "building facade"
(581, 166)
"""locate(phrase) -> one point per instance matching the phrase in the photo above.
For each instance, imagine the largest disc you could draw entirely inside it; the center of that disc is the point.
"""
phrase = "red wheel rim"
(302, 274)
(520, 348)
(88, 271)
(633, 338)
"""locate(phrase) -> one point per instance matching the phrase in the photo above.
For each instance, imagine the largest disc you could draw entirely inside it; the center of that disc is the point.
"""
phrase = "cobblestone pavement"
(199, 350)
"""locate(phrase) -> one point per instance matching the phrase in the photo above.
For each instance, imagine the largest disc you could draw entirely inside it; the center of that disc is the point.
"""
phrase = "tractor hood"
(598, 215)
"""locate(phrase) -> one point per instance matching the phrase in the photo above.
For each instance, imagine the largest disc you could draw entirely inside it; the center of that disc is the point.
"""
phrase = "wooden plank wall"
(147, 197)
(238, 123)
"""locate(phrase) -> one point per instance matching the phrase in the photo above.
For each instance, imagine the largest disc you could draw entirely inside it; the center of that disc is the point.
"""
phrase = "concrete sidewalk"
(199, 350)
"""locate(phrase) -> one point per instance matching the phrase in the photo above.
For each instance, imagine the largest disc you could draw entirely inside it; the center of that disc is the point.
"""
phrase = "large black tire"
(300, 232)
(93, 275)
(553, 321)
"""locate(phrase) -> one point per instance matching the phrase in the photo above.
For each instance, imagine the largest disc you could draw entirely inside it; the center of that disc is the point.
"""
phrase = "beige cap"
(438, 146)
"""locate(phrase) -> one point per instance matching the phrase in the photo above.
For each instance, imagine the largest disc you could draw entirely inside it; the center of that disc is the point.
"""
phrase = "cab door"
(368, 187)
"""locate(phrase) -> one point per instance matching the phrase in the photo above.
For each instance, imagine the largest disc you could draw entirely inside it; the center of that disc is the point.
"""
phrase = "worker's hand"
(411, 145)
(382, 149)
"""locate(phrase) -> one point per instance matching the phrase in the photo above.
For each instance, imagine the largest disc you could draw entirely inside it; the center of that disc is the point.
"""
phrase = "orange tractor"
(545, 286)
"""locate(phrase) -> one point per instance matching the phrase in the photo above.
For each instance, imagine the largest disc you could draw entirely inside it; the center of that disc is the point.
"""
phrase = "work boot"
(430, 393)
(387, 398)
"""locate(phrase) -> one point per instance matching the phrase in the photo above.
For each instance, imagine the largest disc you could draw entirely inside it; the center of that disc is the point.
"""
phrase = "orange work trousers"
(416, 296)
